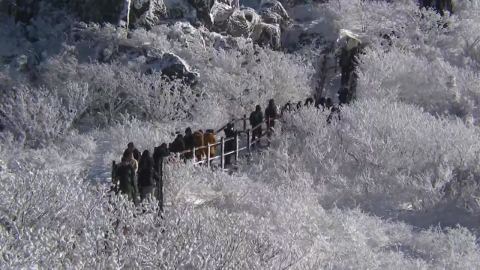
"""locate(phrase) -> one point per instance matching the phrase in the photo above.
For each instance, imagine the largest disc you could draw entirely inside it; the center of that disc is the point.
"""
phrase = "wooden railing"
(210, 156)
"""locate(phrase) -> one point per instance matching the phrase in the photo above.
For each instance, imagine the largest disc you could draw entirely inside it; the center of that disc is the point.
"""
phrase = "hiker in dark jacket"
(189, 142)
(343, 94)
(178, 145)
(136, 153)
(146, 175)
(256, 119)
(125, 176)
(299, 105)
(230, 145)
(309, 101)
(160, 153)
(286, 108)
(321, 103)
(345, 64)
(271, 113)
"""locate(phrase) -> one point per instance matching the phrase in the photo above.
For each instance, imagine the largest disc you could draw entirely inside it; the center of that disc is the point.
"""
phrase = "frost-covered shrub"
(381, 155)
(441, 89)
(39, 115)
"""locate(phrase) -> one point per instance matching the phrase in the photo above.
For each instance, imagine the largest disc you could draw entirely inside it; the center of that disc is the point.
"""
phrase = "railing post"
(114, 170)
(222, 153)
(244, 122)
(114, 165)
(248, 141)
(208, 155)
(236, 146)
(160, 185)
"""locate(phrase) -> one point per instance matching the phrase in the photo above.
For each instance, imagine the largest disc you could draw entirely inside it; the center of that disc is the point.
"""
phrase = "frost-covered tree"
(392, 185)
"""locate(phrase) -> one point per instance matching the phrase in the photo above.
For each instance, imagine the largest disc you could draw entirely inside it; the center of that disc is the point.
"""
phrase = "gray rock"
(273, 12)
(242, 22)
(172, 67)
(267, 35)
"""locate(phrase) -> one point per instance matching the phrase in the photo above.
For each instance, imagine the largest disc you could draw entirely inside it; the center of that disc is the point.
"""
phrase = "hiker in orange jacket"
(209, 138)
(198, 142)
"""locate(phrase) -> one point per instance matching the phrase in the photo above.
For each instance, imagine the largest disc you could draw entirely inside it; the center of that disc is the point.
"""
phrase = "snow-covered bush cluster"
(392, 185)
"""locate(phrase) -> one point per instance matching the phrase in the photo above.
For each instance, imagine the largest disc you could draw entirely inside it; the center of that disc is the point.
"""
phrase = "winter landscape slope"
(394, 185)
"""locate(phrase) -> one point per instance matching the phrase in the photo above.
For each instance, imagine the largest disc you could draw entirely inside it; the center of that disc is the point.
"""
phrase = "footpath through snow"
(99, 171)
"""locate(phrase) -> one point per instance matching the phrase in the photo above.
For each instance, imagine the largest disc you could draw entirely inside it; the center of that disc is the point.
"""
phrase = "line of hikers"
(139, 173)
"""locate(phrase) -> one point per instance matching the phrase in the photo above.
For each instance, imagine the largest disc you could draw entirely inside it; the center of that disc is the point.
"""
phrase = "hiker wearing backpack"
(125, 177)
(146, 175)
(256, 119)
(197, 143)
(209, 138)
(230, 145)
(136, 153)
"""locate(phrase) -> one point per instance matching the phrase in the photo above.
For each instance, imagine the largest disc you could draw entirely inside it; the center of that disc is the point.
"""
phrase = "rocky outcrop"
(241, 23)
(267, 35)
(172, 67)
(272, 12)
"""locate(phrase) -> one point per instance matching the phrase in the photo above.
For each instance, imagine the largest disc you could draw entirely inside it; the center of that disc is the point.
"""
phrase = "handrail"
(210, 156)
(233, 121)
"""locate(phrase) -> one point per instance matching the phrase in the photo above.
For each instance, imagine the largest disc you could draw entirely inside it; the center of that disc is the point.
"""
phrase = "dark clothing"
(343, 96)
(231, 145)
(189, 143)
(256, 118)
(146, 172)
(158, 154)
(271, 114)
(286, 108)
(178, 145)
(147, 176)
(144, 191)
(126, 175)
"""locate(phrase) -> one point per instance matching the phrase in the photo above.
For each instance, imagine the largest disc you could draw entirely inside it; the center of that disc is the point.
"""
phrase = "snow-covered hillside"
(393, 185)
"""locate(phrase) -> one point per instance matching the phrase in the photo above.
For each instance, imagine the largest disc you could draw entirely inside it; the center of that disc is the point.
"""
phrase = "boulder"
(203, 8)
(241, 22)
(172, 67)
(265, 34)
(186, 34)
(145, 13)
(272, 12)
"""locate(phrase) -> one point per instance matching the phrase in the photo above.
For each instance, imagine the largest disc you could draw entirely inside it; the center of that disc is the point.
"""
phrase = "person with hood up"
(128, 154)
(256, 119)
(271, 113)
(136, 153)
(146, 175)
(286, 108)
(197, 143)
(309, 101)
(125, 176)
(230, 145)
(188, 140)
(178, 145)
(159, 153)
(209, 138)
(321, 103)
